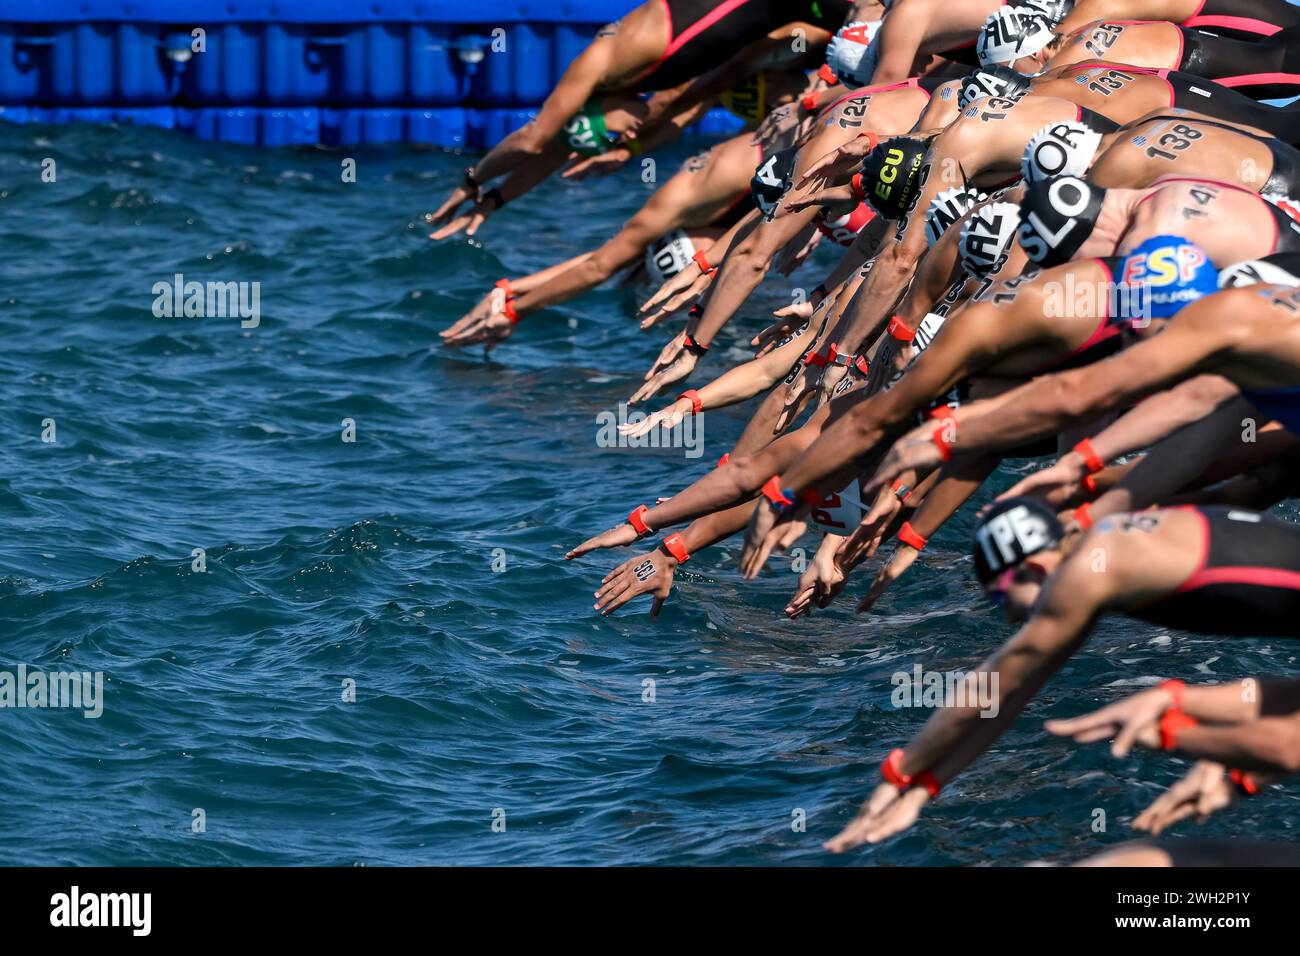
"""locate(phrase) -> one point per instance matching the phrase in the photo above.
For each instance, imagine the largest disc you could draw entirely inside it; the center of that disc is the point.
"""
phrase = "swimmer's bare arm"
(677, 291)
(724, 487)
(1146, 423)
(956, 735)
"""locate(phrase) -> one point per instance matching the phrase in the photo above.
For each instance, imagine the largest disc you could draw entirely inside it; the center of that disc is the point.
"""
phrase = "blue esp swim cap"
(1164, 274)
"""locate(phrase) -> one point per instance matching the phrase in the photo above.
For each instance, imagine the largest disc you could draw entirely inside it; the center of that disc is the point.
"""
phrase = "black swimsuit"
(1244, 19)
(1267, 69)
(1248, 581)
(705, 33)
(1283, 181)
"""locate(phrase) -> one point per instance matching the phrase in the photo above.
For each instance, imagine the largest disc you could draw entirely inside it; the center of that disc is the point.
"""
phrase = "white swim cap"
(851, 55)
(945, 209)
(669, 256)
(1011, 33)
(1061, 149)
(987, 236)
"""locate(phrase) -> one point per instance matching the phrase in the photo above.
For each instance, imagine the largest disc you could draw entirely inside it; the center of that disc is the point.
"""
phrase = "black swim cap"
(1012, 531)
(892, 175)
(771, 180)
(992, 81)
(1056, 216)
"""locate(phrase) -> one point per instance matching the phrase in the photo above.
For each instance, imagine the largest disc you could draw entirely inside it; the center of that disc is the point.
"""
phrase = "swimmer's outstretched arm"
(1198, 339)
(1251, 724)
(1143, 425)
(956, 735)
(517, 184)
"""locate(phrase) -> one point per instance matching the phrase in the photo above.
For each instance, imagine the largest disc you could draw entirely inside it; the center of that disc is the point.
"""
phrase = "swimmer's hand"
(1206, 789)
(915, 451)
(792, 317)
(832, 196)
(468, 223)
(886, 576)
(797, 393)
(680, 297)
(664, 418)
(460, 195)
(891, 361)
(619, 536)
(673, 365)
(1058, 485)
(602, 165)
(835, 168)
(820, 582)
(888, 811)
(829, 383)
(866, 538)
(769, 531)
(491, 330)
(643, 574)
(1133, 720)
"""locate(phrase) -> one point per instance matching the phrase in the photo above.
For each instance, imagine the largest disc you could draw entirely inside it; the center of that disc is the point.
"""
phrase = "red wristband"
(1173, 722)
(910, 536)
(726, 457)
(1244, 781)
(1091, 461)
(827, 75)
(872, 140)
(889, 769)
(509, 311)
(810, 103)
(816, 360)
(860, 363)
(1175, 688)
(700, 260)
(774, 493)
(504, 285)
(697, 406)
(897, 487)
(637, 520)
(1090, 484)
(899, 330)
(674, 546)
(855, 184)
(941, 443)
(1083, 516)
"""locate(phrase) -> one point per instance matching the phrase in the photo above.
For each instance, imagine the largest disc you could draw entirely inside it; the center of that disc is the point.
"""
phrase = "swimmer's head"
(1056, 217)
(1016, 37)
(893, 174)
(597, 126)
(850, 54)
(669, 256)
(1017, 546)
(1060, 149)
(1160, 276)
(1281, 268)
(945, 209)
(1001, 81)
(771, 180)
(987, 237)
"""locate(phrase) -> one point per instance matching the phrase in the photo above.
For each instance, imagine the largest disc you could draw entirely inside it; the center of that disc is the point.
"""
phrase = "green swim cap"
(586, 133)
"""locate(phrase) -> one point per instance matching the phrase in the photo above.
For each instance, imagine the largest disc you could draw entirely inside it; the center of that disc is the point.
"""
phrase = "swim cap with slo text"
(1057, 216)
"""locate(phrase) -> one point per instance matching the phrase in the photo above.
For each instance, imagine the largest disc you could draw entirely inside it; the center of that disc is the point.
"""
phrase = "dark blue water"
(371, 561)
